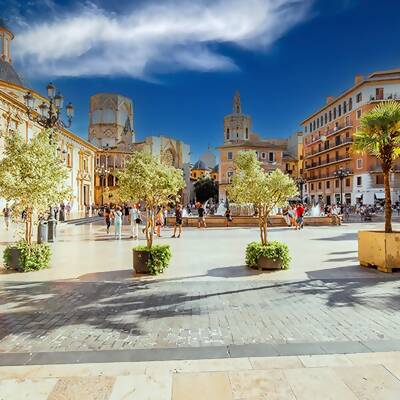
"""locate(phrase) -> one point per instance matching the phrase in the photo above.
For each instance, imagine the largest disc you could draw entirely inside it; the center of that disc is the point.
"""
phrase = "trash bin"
(52, 229)
(42, 235)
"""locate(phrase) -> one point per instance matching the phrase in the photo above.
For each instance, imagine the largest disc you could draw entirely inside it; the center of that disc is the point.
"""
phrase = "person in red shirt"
(299, 216)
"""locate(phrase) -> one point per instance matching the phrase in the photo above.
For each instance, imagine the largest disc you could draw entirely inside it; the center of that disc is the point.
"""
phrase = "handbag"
(138, 220)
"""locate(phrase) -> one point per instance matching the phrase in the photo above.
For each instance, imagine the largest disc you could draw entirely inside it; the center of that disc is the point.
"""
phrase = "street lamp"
(102, 172)
(49, 112)
(300, 183)
(341, 173)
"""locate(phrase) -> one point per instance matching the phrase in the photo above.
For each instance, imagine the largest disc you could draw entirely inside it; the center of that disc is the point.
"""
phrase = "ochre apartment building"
(328, 138)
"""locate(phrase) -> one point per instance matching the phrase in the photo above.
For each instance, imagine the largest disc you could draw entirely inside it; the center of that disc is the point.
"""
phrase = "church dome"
(200, 165)
(8, 74)
(215, 169)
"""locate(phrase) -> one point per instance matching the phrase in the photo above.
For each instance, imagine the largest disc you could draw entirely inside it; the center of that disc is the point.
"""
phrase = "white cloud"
(157, 36)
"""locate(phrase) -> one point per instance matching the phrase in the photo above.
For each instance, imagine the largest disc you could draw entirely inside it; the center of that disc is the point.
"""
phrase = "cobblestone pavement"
(66, 316)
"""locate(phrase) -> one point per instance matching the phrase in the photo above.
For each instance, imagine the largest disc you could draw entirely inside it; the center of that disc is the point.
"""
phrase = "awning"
(359, 195)
(380, 196)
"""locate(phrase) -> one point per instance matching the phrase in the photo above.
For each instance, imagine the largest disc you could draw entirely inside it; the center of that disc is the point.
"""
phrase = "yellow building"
(77, 154)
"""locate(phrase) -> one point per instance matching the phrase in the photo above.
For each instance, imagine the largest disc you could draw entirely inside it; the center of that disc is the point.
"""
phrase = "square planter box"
(267, 263)
(379, 249)
(140, 259)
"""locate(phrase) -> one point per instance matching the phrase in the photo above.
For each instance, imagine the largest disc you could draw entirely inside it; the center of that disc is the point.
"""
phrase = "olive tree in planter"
(379, 136)
(146, 179)
(266, 191)
(32, 177)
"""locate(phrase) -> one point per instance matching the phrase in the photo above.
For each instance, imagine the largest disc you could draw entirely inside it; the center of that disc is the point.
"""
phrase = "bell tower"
(237, 126)
(5, 42)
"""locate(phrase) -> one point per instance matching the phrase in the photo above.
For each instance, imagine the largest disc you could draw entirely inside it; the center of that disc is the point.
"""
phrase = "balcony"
(325, 176)
(329, 132)
(390, 96)
(322, 163)
(329, 147)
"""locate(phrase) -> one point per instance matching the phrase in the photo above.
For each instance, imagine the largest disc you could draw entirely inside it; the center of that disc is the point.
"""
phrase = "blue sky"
(182, 61)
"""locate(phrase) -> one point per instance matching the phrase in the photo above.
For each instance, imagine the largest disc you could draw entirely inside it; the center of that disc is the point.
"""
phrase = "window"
(327, 158)
(319, 185)
(312, 186)
(271, 157)
(263, 155)
(359, 97)
(359, 163)
(247, 133)
(330, 115)
(347, 182)
(230, 155)
(317, 123)
(350, 103)
(334, 113)
(379, 179)
(339, 110)
(322, 120)
(359, 181)
(359, 113)
(344, 107)
(337, 183)
(328, 184)
(326, 118)
(230, 174)
(310, 126)
(379, 93)
(194, 174)
(313, 126)
(227, 133)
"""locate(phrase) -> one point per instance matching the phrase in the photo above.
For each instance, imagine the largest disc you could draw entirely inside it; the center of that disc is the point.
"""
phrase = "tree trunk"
(262, 222)
(388, 202)
(149, 226)
(28, 226)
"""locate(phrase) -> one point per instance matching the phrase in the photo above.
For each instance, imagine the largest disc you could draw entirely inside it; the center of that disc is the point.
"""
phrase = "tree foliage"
(32, 177)
(266, 191)
(146, 179)
(379, 136)
(205, 188)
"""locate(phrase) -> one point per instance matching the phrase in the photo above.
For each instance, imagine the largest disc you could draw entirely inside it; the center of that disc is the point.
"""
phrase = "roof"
(247, 144)
(215, 169)
(288, 156)
(8, 73)
(200, 165)
(375, 76)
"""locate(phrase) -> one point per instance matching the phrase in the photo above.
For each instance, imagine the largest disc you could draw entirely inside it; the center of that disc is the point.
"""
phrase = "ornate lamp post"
(300, 183)
(49, 113)
(341, 173)
(102, 173)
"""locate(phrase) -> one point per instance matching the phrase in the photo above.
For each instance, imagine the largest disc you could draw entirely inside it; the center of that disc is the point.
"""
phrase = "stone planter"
(140, 259)
(14, 261)
(267, 263)
(379, 249)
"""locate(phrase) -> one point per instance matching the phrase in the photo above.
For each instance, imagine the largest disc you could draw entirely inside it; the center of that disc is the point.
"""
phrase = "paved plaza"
(90, 310)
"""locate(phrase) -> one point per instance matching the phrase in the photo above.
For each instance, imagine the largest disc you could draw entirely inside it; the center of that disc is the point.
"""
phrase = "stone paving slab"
(336, 376)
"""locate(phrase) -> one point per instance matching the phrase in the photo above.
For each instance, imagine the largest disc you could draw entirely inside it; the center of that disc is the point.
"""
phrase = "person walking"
(7, 216)
(165, 215)
(228, 217)
(107, 218)
(299, 216)
(201, 219)
(118, 222)
(135, 221)
(178, 221)
(159, 221)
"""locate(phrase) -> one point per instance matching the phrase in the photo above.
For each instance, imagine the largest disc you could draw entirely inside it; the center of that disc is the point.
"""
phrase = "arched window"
(227, 133)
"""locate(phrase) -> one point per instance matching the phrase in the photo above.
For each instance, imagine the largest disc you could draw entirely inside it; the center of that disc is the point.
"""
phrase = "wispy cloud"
(154, 37)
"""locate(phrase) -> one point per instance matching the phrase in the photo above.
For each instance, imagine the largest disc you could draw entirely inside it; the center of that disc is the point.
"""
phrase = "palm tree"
(379, 136)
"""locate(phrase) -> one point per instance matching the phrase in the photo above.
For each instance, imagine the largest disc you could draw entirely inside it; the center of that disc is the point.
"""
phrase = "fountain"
(315, 211)
(221, 208)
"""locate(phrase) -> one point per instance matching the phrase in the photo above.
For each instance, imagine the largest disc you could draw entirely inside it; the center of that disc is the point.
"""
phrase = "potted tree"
(266, 191)
(32, 177)
(146, 179)
(379, 136)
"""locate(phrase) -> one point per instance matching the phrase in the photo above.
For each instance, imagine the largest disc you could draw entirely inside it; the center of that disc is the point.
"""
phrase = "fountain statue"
(221, 208)
(315, 211)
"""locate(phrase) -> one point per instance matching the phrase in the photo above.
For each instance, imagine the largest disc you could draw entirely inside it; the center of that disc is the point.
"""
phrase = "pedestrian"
(68, 210)
(299, 216)
(201, 216)
(178, 221)
(118, 222)
(292, 216)
(159, 221)
(62, 212)
(228, 217)
(165, 214)
(135, 221)
(126, 214)
(107, 218)
(7, 216)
